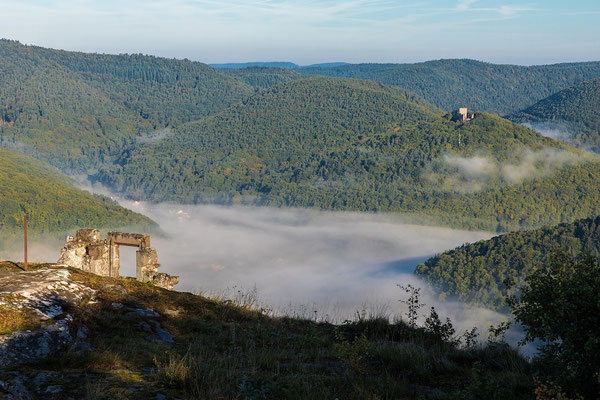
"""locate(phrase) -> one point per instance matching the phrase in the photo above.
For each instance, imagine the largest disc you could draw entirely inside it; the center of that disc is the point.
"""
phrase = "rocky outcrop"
(90, 253)
(46, 295)
(23, 347)
(58, 302)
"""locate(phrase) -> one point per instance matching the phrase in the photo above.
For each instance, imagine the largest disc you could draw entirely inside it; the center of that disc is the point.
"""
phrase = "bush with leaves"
(560, 307)
(413, 303)
(353, 353)
(444, 332)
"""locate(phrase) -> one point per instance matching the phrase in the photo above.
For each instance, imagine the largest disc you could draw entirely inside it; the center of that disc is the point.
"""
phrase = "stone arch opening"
(88, 252)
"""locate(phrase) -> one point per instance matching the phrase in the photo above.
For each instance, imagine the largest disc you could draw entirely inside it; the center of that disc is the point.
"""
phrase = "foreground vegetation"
(559, 306)
(226, 350)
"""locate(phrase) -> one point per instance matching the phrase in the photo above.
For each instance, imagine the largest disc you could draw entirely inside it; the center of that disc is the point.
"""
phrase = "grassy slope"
(476, 272)
(575, 110)
(51, 200)
(225, 350)
(450, 84)
(357, 145)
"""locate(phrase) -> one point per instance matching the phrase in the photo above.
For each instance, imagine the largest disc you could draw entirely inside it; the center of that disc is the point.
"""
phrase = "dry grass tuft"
(12, 320)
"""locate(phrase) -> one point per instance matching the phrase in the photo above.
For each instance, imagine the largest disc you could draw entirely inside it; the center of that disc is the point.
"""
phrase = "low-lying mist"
(555, 130)
(479, 172)
(320, 265)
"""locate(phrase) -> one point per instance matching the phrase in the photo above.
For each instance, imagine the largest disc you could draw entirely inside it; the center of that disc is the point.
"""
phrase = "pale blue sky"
(311, 31)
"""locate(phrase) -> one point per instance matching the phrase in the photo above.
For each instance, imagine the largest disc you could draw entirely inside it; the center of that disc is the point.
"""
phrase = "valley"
(323, 265)
(307, 204)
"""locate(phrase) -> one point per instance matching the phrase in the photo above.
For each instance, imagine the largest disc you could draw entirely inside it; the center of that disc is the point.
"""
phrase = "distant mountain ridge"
(183, 131)
(77, 110)
(276, 64)
(453, 83)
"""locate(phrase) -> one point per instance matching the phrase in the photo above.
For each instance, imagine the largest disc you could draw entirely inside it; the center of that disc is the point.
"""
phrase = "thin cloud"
(464, 5)
(506, 10)
(596, 12)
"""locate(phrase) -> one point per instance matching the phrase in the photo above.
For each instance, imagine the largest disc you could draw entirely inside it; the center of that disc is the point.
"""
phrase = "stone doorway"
(88, 252)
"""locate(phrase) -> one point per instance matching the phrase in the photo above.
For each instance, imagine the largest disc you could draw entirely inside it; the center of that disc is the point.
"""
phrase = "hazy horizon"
(310, 32)
(324, 61)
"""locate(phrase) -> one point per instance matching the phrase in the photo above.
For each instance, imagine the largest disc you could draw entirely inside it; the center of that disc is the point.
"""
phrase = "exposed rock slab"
(46, 293)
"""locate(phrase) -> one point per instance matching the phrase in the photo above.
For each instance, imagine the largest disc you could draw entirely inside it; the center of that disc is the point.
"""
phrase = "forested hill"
(450, 84)
(271, 136)
(264, 77)
(52, 201)
(573, 113)
(476, 272)
(78, 110)
(346, 144)
(293, 129)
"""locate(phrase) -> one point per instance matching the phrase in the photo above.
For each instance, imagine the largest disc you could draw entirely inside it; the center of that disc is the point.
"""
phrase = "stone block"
(88, 235)
(165, 281)
(146, 256)
(146, 273)
(129, 239)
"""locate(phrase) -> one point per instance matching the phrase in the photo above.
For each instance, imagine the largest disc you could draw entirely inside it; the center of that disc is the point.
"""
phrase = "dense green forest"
(345, 144)
(77, 111)
(272, 136)
(263, 77)
(476, 272)
(52, 202)
(450, 84)
(574, 112)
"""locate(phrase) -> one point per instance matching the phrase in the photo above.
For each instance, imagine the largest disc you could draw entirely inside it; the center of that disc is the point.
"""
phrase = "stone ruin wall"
(90, 253)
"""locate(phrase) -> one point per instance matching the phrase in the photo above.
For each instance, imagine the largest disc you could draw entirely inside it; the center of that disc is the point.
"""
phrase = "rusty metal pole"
(25, 244)
(110, 256)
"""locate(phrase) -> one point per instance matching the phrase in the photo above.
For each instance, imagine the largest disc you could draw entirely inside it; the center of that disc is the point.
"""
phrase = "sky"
(313, 31)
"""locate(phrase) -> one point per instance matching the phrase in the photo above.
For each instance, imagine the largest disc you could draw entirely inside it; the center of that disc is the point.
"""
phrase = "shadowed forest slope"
(573, 114)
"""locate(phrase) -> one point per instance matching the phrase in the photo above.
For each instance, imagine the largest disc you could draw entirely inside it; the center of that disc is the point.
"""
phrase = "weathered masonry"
(88, 252)
(462, 115)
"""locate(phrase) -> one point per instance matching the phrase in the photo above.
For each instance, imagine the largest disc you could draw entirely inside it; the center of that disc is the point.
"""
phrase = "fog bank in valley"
(552, 129)
(307, 263)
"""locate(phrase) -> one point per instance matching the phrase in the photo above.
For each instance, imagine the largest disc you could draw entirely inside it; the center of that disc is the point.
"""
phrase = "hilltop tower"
(462, 115)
